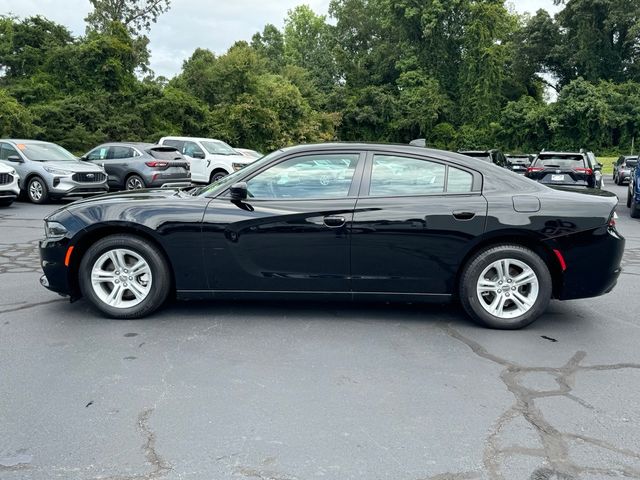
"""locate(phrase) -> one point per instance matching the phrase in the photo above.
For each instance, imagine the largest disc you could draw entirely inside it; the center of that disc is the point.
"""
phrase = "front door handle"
(334, 222)
(463, 215)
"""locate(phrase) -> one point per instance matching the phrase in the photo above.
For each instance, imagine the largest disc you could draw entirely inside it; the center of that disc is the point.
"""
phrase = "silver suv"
(48, 171)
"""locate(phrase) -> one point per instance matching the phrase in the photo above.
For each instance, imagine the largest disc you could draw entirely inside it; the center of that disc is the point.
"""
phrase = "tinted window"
(459, 181)
(118, 152)
(166, 153)
(216, 147)
(632, 162)
(179, 144)
(313, 176)
(392, 175)
(99, 153)
(564, 161)
(7, 151)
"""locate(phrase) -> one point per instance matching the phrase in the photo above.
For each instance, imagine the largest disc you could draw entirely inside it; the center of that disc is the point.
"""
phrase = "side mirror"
(83, 159)
(15, 159)
(199, 155)
(239, 191)
(598, 166)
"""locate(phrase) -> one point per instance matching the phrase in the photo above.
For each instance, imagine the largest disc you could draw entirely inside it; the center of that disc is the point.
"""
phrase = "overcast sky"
(190, 24)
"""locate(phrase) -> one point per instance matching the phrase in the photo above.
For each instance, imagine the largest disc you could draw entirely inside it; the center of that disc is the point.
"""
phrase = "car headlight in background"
(237, 166)
(57, 171)
(54, 230)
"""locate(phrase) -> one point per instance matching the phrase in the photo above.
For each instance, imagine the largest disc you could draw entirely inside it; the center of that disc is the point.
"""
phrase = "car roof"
(198, 139)
(562, 153)
(132, 144)
(484, 152)
(24, 140)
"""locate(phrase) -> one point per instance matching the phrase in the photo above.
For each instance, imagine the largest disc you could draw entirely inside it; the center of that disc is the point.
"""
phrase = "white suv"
(9, 189)
(210, 159)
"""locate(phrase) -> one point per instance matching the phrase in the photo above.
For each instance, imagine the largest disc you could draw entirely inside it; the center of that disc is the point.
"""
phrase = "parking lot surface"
(284, 391)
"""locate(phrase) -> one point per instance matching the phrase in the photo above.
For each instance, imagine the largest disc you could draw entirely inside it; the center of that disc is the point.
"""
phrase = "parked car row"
(43, 171)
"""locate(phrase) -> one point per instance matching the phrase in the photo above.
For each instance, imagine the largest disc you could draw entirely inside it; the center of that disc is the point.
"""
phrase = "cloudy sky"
(189, 24)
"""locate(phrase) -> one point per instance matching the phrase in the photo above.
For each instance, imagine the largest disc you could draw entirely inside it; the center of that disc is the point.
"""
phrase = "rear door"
(292, 233)
(413, 223)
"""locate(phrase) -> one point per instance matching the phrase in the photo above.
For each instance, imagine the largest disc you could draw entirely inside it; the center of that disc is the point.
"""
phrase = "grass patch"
(607, 164)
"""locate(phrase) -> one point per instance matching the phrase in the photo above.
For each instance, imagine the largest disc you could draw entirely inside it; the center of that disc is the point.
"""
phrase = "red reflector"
(588, 171)
(534, 169)
(156, 164)
(563, 264)
(67, 257)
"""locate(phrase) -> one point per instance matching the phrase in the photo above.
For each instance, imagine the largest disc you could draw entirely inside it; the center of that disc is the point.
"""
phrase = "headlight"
(237, 166)
(54, 230)
(57, 171)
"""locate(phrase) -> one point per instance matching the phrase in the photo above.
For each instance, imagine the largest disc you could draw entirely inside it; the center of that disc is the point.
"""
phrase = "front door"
(291, 234)
(413, 224)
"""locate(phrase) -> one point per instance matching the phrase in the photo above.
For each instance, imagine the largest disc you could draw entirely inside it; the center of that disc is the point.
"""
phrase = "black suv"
(569, 169)
(518, 163)
(491, 156)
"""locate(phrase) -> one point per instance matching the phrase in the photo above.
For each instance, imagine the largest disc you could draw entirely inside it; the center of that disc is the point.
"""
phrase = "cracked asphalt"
(274, 391)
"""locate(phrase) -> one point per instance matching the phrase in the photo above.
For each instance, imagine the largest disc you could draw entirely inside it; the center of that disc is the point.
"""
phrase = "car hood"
(77, 167)
(4, 168)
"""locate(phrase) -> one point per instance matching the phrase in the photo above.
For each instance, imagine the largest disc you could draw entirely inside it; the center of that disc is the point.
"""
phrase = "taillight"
(588, 171)
(534, 169)
(612, 220)
(156, 164)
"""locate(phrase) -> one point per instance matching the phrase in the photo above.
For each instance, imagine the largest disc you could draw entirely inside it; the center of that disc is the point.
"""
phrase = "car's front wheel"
(124, 276)
(215, 176)
(505, 287)
(37, 191)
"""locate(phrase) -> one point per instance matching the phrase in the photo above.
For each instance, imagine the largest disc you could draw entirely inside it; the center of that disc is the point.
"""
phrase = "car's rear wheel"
(505, 287)
(124, 277)
(134, 182)
(37, 191)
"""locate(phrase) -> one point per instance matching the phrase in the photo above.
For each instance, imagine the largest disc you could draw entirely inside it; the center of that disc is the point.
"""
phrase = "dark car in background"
(341, 222)
(132, 166)
(567, 169)
(623, 167)
(491, 156)
(633, 193)
(518, 163)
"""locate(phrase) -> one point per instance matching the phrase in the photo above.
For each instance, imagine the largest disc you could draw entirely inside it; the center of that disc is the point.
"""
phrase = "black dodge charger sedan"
(341, 221)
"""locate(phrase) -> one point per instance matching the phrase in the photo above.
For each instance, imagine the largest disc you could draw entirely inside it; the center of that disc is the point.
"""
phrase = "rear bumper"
(593, 260)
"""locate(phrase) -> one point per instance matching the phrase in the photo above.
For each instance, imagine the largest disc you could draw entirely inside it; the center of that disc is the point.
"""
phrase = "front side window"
(396, 176)
(99, 153)
(191, 149)
(312, 176)
(7, 151)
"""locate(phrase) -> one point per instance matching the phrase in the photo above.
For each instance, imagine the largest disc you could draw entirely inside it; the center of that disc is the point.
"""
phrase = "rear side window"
(564, 161)
(166, 153)
(397, 176)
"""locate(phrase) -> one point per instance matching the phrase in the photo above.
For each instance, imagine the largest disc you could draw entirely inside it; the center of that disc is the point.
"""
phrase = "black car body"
(491, 156)
(567, 169)
(623, 167)
(384, 222)
(518, 163)
(132, 166)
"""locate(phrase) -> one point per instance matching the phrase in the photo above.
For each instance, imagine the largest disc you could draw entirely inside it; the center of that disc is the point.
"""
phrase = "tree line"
(460, 73)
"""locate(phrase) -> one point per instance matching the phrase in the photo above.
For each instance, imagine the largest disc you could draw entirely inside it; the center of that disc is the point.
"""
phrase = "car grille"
(5, 179)
(89, 177)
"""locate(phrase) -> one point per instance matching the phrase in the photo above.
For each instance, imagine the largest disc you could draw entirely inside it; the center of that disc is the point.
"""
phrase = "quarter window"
(313, 176)
(393, 176)
(459, 181)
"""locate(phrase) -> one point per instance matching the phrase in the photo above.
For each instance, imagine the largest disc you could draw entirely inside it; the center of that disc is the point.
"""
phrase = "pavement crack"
(555, 444)
(31, 305)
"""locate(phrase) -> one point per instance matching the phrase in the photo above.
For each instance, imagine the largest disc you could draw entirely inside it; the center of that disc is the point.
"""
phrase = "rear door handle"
(463, 215)
(334, 222)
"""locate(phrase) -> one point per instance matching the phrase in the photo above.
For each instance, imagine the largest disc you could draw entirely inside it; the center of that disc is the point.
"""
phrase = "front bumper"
(56, 274)
(66, 186)
(11, 189)
(593, 260)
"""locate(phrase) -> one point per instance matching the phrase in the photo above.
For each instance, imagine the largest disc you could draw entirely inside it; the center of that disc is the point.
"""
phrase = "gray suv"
(48, 171)
(131, 166)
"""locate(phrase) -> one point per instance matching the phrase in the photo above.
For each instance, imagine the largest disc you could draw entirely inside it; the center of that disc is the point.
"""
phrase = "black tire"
(477, 264)
(134, 182)
(37, 191)
(161, 276)
(215, 176)
(635, 211)
(628, 198)
(5, 202)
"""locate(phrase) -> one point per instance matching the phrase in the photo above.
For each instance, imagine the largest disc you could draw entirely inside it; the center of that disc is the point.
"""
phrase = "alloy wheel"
(134, 183)
(36, 190)
(508, 288)
(121, 278)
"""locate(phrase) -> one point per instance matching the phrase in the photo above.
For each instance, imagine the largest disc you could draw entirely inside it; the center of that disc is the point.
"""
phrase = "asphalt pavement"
(288, 391)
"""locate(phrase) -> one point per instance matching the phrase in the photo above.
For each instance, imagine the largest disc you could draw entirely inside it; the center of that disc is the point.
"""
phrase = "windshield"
(632, 162)
(45, 152)
(226, 182)
(217, 147)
